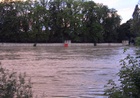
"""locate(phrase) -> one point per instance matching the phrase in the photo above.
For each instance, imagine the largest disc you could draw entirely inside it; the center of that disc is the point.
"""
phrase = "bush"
(13, 85)
(137, 41)
(129, 80)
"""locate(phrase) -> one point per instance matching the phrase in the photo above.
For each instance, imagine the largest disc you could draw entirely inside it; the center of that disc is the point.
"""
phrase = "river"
(65, 72)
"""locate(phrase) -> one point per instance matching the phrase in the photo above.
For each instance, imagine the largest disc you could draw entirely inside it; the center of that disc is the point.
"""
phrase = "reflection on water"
(58, 72)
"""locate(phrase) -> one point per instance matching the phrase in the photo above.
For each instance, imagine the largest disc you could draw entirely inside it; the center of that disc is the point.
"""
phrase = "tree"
(24, 9)
(125, 32)
(91, 23)
(9, 20)
(110, 25)
(56, 21)
(74, 15)
(37, 14)
(136, 21)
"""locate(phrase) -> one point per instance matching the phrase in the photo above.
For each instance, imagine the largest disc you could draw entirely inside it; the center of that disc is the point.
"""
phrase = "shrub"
(129, 80)
(137, 41)
(13, 85)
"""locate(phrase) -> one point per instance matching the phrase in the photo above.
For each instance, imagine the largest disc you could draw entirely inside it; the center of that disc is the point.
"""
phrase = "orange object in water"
(65, 45)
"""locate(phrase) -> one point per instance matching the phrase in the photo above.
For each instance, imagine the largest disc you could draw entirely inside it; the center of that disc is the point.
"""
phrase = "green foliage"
(62, 19)
(13, 85)
(124, 32)
(111, 23)
(136, 21)
(129, 80)
(137, 41)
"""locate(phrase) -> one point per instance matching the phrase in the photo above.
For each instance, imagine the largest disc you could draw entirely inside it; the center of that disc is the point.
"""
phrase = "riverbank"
(61, 44)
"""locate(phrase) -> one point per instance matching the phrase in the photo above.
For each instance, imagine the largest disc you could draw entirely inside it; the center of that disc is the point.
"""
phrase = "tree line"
(58, 20)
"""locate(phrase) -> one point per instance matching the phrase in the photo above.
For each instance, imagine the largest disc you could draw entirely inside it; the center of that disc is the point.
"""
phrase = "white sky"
(125, 8)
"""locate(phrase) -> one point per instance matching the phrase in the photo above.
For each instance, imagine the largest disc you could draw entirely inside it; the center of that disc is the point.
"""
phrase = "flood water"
(59, 72)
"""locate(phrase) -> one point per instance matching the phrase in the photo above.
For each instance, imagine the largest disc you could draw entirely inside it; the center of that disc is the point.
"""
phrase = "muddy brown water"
(59, 72)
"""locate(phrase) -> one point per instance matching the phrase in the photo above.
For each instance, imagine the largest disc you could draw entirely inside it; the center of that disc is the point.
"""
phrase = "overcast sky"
(125, 8)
